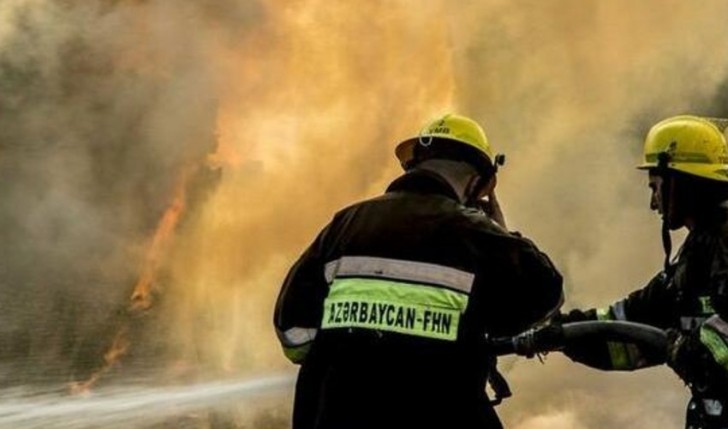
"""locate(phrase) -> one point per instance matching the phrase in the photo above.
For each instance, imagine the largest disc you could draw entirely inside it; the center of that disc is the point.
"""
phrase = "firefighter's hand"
(683, 350)
(492, 208)
(674, 342)
(549, 337)
(539, 340)
(694, 362)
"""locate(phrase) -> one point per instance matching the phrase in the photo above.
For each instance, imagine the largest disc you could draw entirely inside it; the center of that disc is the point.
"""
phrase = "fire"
(315, 106)
(309, 114)
(141, 297)
(118, 348)
(314, 95)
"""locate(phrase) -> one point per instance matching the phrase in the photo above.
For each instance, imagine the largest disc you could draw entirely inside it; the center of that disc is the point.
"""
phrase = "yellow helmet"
(693, 145)
(453, 128)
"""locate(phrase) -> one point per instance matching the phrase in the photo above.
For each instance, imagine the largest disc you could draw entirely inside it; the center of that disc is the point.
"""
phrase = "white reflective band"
(330, 270)
(713, 407)
(396, 269)
(718, 324)
(618, 310)
(295, 337)
(690, 323)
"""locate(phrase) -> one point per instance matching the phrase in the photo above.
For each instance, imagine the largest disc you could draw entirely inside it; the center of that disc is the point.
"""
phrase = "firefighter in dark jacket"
(388, 309)
(687, 161)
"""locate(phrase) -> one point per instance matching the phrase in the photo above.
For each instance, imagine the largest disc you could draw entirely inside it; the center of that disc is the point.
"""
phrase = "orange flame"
(118, 348)
(141, 297)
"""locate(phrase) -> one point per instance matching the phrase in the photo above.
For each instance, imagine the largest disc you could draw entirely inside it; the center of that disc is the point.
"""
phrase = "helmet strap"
(665, 199)
(666, 244)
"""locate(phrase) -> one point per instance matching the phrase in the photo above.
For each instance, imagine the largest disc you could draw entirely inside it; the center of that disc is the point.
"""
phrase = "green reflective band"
(706, 306)
(297, 354)
(619, 355)
(604, 314)
(412, 309)
(689, 157)
(623, 356)
(716, 344)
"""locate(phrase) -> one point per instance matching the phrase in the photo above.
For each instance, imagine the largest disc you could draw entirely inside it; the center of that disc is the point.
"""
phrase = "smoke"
(97, 117)
(571, 91)
(288, 110)
(319, 135)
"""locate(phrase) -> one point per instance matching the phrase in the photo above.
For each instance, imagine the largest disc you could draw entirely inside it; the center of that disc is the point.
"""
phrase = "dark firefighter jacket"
(387, 310)
(678, 300)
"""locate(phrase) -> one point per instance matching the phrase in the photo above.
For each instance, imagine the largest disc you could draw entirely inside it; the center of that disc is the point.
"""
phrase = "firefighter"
(388, 309)
(686, 158)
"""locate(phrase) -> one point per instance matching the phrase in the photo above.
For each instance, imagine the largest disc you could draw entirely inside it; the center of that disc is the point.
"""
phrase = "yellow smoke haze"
(317, 134)
(293, 109)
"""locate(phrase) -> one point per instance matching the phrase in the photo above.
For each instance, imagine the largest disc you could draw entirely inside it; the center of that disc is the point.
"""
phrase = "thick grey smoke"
(104, 105)
(101, 105)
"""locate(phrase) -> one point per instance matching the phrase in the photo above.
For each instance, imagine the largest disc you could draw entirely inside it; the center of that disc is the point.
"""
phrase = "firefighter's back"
(416, 281)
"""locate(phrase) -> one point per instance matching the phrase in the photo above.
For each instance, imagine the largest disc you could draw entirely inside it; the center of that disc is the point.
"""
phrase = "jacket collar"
(422, 181)
(713, 220)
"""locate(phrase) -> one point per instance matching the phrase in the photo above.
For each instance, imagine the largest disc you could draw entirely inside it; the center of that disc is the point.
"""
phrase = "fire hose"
(554, 337)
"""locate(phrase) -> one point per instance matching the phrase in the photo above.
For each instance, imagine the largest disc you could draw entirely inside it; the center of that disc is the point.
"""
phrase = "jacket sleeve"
(534, 292)
(701, 357)
(651, 305)
(299, 306)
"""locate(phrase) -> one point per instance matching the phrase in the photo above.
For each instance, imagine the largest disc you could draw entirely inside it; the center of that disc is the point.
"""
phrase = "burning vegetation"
(147, 286)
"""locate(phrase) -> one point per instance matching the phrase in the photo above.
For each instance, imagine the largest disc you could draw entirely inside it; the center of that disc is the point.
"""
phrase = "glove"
(592, 353)
(685, 354)
(539, 340)
(675, 349)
